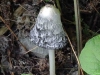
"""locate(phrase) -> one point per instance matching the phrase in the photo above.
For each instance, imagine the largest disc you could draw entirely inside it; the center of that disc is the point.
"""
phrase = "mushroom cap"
(48, 31)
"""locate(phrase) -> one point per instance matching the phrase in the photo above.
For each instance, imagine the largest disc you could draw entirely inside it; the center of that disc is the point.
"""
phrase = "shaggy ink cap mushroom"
(48, 31)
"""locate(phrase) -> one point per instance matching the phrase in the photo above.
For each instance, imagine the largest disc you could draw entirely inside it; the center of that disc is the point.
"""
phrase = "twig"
(95, 8)
(22, 7)
(9, 53)
(31, 49)
(74, 52)
(78, 29)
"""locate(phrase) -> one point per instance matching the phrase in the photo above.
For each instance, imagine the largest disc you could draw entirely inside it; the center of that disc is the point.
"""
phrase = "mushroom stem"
(52, 62)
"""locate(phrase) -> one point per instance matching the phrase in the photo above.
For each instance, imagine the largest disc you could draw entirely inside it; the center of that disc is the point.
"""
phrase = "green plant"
(47, 0)
(26, 74)
(90, 56)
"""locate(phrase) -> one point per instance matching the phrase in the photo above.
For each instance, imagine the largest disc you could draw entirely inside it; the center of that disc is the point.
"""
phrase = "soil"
(15, 62)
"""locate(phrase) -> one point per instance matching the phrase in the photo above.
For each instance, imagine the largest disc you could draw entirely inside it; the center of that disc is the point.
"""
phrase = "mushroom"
(48, 32)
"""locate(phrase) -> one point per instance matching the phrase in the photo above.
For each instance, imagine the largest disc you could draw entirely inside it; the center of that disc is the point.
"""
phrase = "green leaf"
(47, 0)
(90, 56)
(26, 74)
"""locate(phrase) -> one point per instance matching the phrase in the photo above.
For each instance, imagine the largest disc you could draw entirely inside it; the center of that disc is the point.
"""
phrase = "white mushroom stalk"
(48, 32)
(52, 62)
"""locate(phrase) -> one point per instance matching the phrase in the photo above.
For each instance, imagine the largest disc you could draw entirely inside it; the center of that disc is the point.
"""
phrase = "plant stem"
(58, 5)
(78, 29)
(52, 62)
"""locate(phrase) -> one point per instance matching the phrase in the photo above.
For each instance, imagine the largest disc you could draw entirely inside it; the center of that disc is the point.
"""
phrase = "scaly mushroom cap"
(48, 31)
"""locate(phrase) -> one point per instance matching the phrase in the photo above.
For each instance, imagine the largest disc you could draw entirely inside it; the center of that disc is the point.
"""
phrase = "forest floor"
(17, 17)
